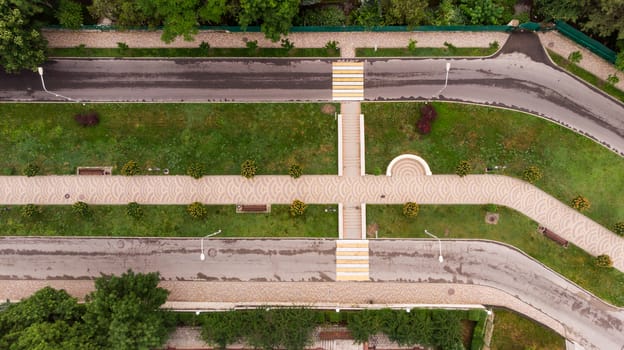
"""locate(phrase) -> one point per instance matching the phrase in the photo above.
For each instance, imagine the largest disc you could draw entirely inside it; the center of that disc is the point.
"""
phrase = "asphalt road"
(519, 77)
(586, 318)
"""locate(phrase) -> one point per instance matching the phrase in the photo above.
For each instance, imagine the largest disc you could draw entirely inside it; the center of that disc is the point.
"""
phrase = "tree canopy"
(21, 43)
(274, 16)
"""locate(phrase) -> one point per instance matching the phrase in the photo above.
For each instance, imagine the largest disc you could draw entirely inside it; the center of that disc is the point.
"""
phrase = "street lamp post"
(440, 258)
(448, 68)
(202, 256)
(40, 70)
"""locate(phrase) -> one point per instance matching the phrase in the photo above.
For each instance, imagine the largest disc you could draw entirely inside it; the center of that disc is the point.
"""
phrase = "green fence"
(307, 29)
(580, 38)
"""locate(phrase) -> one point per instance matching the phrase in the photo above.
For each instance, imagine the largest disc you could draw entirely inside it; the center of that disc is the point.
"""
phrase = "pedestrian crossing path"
(352, 260)
(348, 81)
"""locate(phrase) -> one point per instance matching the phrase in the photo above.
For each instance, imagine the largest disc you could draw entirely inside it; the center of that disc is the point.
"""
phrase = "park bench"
(553, 236)
(88, 170)
(253, 208)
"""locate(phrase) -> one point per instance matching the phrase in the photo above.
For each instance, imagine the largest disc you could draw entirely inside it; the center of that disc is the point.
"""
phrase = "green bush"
(30, 211)
(532, 174)
(332, 45)
(134, 210)
(410, 209)
(491, 208)
(619, 228)
(450, 46)
(412, 45)
(69, 14)
(297, 208)
(31, 170)
(249, 168)
(197, 210)
(122, 46)
(295, 171)
(195, 170)
(613, 79)
(82, 209)
(287, 44)
(204, 46)
(325, 16)
(580, 203)
(463, 168)
(130, 168)
(575, 57)
(252, 44)
(494, 45)
(603, 261)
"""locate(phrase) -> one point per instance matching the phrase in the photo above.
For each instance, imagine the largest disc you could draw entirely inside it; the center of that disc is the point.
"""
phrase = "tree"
(567, 10)
(463, 168)
(274, 16)
(30, 211)
(605, 18)
(124, 312)
(619, 228)
(575, 57)
(49, 319)
(21, 44)
(580, 203)
(603, 261)
(134, 210)
(406, 12)
(69, 14)
(295, 171)
(197, 210)
(31, 170)
(297, 208)
(619, 61)
(448, 13)
(532, 174)
(223, 328)
(195, 170)
(82, 209)
(249, 168)
(482, 11)
(131, 168)
(124, 13)
(363, 324)
(181, 18)
(410, 209)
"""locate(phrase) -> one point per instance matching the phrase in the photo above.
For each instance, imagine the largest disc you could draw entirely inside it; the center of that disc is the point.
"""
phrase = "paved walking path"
(435, 189)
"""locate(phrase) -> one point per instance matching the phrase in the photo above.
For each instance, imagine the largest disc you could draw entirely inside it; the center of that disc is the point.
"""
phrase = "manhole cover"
(120, 244)
(67, 196)
(212, 252)
(451, 291)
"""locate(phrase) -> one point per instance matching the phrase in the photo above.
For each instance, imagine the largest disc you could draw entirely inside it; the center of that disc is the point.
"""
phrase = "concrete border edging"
(416, 158)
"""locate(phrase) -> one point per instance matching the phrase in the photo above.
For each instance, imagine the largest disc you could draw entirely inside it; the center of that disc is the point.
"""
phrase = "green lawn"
(515, 332)
(468, 221)
(572, 164)
(598, 82)
(171, 221)
(424, 52)
(219, 136)
(191, 52)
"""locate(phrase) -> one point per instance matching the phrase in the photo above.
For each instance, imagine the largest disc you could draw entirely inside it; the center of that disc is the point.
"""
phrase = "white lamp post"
(448, 68)
(202, 256)
(40, 70)
(440, 258)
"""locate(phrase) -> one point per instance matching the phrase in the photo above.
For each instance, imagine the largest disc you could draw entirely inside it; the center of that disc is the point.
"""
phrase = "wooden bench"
(253, 208)
(88, 170)
(553, 236)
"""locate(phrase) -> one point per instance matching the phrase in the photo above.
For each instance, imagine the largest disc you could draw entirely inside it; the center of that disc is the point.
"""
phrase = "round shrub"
(410, 209)
(603, 261)
(197, 210)
(619, 228)
(297, 208)
(532, 174)
(82, 209)
(295, 171)
(30, 211)
(134, 210)
(69, 14)
(580, 203)
(31, 170)
(195, 170)
(249, 168)
(130, 168)
(463, 168)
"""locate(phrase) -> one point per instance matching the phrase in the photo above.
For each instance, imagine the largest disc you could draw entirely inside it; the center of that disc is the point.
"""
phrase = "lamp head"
(202, 257)
(448, 66)
(440, 259)
(40, 70)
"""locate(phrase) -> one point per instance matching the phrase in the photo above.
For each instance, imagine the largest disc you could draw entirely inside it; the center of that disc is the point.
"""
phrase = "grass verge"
(170, 221)
(173, 136)
(424, 51)
(191, 52)
(587, 76)
(571, 163)
(468, 221)
(515, 332)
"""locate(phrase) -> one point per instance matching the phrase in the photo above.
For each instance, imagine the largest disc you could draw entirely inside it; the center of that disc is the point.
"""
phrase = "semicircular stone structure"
(408, 165)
